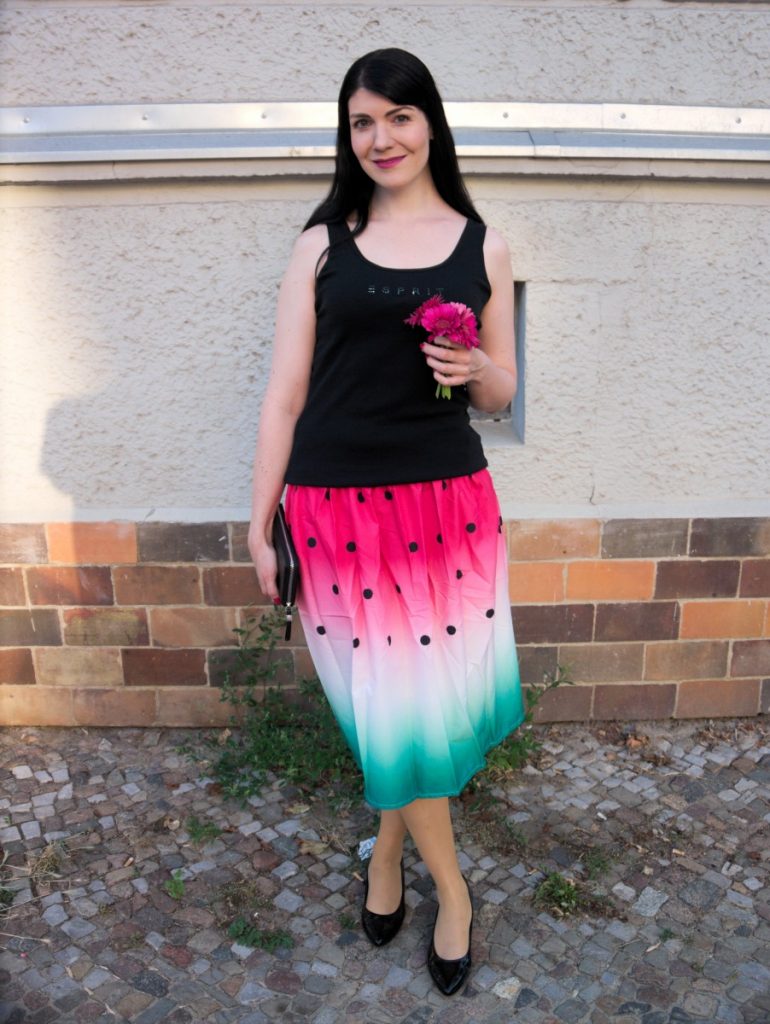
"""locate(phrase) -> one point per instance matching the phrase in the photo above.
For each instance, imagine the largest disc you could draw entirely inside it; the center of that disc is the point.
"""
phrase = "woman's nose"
(382, 135)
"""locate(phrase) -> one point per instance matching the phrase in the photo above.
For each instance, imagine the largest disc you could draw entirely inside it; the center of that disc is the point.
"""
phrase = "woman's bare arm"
(489, 370)
(284, 398)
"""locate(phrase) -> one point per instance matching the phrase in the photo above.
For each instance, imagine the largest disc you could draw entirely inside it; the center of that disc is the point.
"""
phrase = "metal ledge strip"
(212, 131)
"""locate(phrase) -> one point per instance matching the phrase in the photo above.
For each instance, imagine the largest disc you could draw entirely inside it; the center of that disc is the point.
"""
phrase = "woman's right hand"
(263, 557)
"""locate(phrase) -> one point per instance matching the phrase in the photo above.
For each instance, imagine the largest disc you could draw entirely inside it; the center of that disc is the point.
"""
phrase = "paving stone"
(118, 938)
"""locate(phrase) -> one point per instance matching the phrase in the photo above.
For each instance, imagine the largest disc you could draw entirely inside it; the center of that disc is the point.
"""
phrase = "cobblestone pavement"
(122, 902)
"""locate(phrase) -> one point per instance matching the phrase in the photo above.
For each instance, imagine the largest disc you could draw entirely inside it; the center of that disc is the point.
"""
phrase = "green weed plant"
(201, 832)
(291, 733)
(174, 886)
(268, 939)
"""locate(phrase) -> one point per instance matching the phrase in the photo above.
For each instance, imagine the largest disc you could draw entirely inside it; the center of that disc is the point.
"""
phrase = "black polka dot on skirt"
(351, 545)
(424, 640)
(459, 574)
(335, 588)
(451, 630)
(368, 594)
(328, 495)
(398, 589)
(490, 612)
(388, 496)
(413, 545)
(311, 542)
(361, 496)
(356, 642)
(320, 630)
(389, 641)
(470, 527)
(443, 485)
(439, 538)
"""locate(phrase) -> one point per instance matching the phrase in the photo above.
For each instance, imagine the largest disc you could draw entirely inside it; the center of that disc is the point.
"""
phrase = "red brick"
(689, 577)
(644, 701)
(703, 698)
(303, 664)
(755, 578)
(559, 623)
(232, 585)
(681, 659)
(595, 663)
(536, 582)
(750, 658)
(764, 708)
(91, 543)
(722, 619)
(194, 708)
(22, 542)
(608, 580)
(531, 539)
(739, 536)
(563, 703)
(157, 584)
(536, 662)
(12, 587)
(106, 626)
(193, 627)
(16, 667)
(645, 620)
(644, 538)
(56, 585)
(152, 666)
(36, 705)
(78, 666)
(226, 662)
(239, 550)
(114, 707)
(25, 628)
(251, 616)
(183, 542)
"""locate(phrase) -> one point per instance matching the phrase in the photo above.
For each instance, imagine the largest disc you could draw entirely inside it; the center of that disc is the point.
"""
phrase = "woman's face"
(391, 142)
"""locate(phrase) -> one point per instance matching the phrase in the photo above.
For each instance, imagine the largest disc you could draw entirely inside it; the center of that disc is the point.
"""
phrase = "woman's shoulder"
(308, 249)
(312, 240)
(495, 245)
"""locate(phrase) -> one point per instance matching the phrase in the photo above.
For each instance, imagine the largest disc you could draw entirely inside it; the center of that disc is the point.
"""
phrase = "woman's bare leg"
(385, 865)
(430, 825)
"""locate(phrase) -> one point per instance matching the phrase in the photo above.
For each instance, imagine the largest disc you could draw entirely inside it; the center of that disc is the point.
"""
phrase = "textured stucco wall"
(138, 323)
(137, 318)
(106, 51)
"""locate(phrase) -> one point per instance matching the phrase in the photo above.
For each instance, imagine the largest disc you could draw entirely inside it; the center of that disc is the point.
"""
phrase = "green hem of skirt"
(456, 791)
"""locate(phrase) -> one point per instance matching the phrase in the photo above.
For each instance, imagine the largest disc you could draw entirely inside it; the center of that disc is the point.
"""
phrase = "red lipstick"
(391, 162)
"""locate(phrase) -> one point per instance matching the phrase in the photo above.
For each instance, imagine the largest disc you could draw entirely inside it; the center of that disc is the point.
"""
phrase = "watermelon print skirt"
(403, 598)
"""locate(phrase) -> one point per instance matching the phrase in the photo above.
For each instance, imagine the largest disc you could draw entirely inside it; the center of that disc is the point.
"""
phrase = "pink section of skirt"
(404, 602)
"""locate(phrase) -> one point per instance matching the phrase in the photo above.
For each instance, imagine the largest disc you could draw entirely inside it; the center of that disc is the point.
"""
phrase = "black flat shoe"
(381, 928)
(449, 975)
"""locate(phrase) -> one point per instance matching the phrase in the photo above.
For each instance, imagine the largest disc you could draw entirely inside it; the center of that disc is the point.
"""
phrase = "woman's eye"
(401, 117)
(360, 123)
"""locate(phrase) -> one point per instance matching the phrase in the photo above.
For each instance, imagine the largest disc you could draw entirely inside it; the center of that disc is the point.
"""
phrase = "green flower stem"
(443, 391)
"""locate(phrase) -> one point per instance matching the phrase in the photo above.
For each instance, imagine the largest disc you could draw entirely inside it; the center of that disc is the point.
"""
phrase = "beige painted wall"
(642, 51)
(138, 317)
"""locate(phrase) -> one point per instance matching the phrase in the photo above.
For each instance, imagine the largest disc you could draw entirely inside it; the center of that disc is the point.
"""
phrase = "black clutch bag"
(287, 576)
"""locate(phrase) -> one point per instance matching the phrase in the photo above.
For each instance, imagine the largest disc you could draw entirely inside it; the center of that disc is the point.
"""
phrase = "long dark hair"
(403, 79)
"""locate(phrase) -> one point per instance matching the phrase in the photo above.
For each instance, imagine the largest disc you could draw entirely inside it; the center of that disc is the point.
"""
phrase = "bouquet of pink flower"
(449, 321)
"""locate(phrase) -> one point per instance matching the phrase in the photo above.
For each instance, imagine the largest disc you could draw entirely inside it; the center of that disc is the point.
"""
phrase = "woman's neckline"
(433, 266)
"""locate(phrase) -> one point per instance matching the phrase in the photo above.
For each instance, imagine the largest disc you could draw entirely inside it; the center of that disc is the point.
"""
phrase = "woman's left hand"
(453, 364)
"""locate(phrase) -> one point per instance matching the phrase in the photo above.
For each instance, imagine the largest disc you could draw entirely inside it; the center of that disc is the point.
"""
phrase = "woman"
(403, 593)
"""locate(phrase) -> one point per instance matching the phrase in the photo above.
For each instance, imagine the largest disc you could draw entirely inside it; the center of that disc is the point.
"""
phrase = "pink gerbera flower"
(450, 321)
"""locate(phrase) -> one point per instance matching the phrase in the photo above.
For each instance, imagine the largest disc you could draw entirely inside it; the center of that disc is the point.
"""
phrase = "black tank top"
(371, 415)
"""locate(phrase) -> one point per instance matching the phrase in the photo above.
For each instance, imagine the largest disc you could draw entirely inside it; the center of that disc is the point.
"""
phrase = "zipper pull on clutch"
(287, 634)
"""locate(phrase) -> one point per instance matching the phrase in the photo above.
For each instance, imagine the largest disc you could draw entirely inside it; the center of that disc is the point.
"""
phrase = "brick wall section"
(133, 624)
